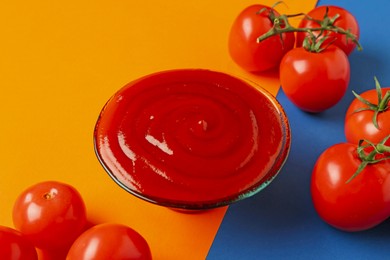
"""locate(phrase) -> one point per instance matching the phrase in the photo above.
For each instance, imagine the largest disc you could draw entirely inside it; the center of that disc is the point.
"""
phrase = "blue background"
(280, 222)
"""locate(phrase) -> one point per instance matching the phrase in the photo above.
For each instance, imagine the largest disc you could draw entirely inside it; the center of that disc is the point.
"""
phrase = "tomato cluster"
(313, 65)
(350, 183)
(51, 216)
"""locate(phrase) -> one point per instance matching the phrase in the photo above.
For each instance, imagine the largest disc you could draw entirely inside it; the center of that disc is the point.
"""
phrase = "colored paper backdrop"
(61, 60)
(280, 222)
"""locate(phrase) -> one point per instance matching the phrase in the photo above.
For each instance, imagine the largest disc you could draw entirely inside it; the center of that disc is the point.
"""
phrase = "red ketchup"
(192, 138)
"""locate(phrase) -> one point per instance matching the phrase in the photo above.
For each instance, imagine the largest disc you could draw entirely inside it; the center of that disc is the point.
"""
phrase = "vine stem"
(282, 25)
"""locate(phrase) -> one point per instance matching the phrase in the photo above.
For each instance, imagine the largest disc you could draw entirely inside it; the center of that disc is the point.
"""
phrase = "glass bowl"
(192, 138)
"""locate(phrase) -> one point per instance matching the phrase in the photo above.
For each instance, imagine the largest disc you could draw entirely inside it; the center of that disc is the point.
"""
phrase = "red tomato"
(345, 21)
(315, 81)
(50, 214)
(109, 241)
(243, 46)
(360, 125)
(360, 204)
(14, 246)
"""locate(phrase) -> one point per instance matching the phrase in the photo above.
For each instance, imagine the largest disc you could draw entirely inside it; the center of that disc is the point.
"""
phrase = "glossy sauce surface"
(191, 138)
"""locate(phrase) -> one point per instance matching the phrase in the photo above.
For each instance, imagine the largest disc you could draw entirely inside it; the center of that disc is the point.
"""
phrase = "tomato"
(345, 21)
(359, 204)
(315, 81)
(14, 246)
(109, 241)
(242, 42)
(360, 125)
(50, 214)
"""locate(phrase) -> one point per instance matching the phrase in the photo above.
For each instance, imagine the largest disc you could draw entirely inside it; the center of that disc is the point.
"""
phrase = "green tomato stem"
(370, 158)
(381, 106)
(384, 104)
(383, 148)
(282, 25)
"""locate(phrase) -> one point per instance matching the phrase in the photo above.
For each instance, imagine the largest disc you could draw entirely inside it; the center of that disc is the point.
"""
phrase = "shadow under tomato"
(59, 253)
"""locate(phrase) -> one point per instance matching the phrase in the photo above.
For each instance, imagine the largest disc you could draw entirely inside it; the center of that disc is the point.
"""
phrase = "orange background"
(61, 60)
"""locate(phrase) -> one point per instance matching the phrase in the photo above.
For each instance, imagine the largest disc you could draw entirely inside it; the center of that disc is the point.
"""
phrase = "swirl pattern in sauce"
(191, 138)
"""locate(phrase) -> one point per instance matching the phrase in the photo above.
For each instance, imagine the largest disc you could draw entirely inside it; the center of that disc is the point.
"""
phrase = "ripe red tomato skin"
(50, 214)
(13, 246)
(359, 125)
(114, 241)
(359, 205)
(345, 21)
(314, 81)
(242, 45)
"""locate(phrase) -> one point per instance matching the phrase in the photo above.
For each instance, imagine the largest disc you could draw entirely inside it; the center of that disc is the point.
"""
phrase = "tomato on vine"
(315, 76)
(332, 19)
(368, 115)
(243, 47)
(315, 81)
(350, 185)
(50, 214)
